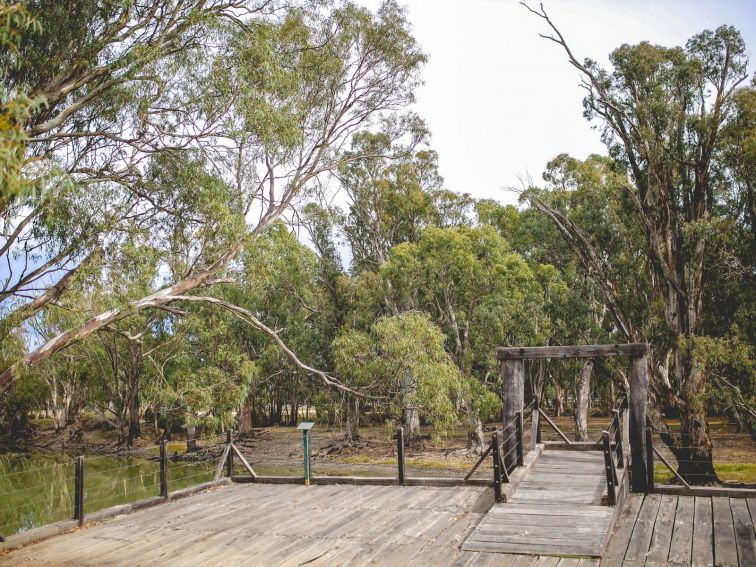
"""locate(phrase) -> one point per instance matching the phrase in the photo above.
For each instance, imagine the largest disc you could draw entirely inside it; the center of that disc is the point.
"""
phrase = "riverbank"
(279, 449)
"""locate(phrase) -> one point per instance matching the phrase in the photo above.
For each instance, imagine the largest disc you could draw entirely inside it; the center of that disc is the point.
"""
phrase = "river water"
(37, 490)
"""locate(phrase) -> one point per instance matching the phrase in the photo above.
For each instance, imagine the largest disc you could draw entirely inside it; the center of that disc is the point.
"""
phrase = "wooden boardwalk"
(294, 525)
(664, 530)
(556, 510)
(290, 525)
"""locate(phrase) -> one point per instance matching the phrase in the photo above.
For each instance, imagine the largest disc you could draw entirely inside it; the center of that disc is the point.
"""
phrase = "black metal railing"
(69, 494)
(614, 457)
(508, 453)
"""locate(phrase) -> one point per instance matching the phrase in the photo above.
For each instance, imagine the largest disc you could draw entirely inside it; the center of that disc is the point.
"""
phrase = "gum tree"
(263, 114)
(662, 111)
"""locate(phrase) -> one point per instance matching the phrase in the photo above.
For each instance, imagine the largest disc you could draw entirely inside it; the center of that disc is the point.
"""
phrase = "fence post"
(400, 453)
(638, 395)
(191, 439)
(230, 458)
(618, 439)
(518, 434)
(610, 477)
(512, 374)
(650, 459)
(534, 425)
(164, 468)
(496, 465)
(79, 491)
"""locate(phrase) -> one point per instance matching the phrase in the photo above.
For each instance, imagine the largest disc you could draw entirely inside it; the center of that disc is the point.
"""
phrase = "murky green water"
(37, 490)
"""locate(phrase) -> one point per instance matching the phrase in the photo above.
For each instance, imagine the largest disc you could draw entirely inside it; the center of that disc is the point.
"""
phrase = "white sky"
(501, 101)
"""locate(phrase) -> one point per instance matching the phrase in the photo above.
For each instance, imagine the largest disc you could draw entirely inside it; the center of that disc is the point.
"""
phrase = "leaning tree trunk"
(582, 401)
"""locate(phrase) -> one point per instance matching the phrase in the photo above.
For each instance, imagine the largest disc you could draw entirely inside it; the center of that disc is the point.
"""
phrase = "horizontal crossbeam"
(571, 351)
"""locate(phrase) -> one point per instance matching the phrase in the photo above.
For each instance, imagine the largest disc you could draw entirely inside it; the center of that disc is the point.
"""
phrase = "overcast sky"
(501, 102)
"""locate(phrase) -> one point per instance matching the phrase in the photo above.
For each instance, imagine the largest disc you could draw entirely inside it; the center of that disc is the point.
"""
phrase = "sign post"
(305, 426)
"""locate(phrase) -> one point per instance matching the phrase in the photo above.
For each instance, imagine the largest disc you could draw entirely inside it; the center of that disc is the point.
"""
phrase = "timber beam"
(571, 351)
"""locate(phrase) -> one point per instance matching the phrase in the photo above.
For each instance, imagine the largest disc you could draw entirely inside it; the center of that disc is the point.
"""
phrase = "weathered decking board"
(291, 525)
(556, 510)
(667, 530)
(255, 524)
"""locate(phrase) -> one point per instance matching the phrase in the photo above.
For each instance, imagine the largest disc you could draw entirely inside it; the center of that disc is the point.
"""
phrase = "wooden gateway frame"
(512, 371)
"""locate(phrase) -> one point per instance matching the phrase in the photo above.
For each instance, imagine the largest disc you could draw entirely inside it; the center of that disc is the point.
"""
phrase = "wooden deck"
(264, 524)
(294, 525)
(557, 510)
(665, 530)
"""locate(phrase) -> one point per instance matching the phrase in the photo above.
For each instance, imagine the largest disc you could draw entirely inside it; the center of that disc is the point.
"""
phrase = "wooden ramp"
(556, 510)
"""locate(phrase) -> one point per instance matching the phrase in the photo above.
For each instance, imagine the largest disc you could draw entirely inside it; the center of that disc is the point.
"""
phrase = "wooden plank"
(703, 536)
(661, 538)
(725, 547)
(571, 351)
(752, 509)
(529, 548)
(644, 528)
(713, 491)
(744, 533)
(682, 535)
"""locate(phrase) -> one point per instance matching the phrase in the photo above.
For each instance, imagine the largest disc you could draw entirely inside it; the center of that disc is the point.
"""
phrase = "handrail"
(613, 456)
(500, 467)
(611, 472)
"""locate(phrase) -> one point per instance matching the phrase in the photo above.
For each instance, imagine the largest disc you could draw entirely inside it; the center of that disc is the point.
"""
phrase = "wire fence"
(35, 492)
(732, 458)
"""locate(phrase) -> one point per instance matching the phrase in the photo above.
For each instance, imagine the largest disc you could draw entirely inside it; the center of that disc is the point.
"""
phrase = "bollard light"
(305, 426)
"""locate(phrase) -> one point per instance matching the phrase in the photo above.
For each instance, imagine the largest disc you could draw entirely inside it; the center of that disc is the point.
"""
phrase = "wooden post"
(496, 467)
(638, 397)
(79, 491)
(618, 438)
(535, 426)
(512, 400)
(230, 458)
(650, 459)
(518, 436)
(609, 469)
(626, 433)
(400, 453)
(191, 439)
(164, 469)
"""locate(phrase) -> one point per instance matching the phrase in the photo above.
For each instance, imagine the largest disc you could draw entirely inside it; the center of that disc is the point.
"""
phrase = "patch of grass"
(429, 464)
(357, 460)
(733, 472)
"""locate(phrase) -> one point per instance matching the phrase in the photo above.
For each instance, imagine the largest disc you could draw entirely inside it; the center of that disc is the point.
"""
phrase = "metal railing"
(505, 461)
(87, 472)
(614, 458)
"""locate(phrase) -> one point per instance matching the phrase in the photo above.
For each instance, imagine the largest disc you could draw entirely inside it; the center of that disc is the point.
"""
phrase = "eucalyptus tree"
(231, 108)
(388, 194)
(477, 291)
(663, 111)
(401, 360)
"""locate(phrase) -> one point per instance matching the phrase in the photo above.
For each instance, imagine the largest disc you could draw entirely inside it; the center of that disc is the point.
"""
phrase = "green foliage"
(402, 358)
